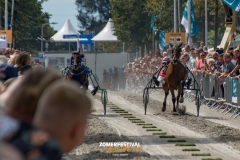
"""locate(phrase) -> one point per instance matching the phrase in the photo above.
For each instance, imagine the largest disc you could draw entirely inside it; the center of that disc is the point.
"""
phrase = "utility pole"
(175, 15)
(189, 24)
(179, 18)
(206, 25)
(6, 14)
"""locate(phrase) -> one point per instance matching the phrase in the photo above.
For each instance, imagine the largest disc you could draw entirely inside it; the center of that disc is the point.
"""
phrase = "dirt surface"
(213, 125)
(212, 132)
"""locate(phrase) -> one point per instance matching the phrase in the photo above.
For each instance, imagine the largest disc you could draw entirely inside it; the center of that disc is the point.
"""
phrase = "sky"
(61, 10)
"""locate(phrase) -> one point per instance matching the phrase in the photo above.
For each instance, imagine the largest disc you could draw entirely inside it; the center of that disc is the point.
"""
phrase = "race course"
(212, 135)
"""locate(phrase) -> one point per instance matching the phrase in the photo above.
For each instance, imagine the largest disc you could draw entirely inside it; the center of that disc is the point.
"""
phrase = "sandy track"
(217, 139)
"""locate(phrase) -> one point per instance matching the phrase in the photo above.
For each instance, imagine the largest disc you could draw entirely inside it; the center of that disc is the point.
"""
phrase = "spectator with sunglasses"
(201, 62)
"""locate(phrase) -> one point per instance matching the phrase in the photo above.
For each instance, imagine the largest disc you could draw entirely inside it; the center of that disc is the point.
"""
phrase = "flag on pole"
(162, 40)
(233, 4)
(194, 27)
(151, 25)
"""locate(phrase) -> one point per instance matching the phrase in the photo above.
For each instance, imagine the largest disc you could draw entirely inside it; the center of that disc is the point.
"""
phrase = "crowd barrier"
(218, 93)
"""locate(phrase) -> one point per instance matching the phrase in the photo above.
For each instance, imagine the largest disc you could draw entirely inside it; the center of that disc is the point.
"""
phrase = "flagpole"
(179, 19)
(175, 16)
(189, 24)
(206, 25)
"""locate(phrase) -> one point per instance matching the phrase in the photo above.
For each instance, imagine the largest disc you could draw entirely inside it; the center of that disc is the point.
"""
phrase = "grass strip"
(185, 144)
(149, 127)
(142, 124)
(176, 140)
(115, 108)
(211, 158)
(154, 130)
(126, 114)
(112, 106)
(118, 110)
(138, 122)
(121, 112)
(190, 149)
(134, 119)
(201, 154)
(129, 117)
(167, 136)
(159, 133)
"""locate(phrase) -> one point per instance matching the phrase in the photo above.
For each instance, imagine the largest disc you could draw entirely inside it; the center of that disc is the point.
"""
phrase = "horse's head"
(176, 51)
(77, 58)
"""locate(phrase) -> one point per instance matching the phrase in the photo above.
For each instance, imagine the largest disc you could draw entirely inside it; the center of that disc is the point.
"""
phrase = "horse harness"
(175, 69)
(76, 67)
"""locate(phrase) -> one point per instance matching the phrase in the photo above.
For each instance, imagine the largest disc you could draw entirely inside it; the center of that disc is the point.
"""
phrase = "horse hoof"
(163, 109)
(181, 100)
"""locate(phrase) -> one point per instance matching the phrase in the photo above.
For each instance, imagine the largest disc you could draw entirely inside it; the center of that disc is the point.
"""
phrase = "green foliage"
(92, 13)
(131, 24)
(210, 38)
(27, 22)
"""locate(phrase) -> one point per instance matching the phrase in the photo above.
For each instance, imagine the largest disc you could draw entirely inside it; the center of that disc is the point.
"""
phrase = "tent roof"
(107, 33)
(66, 29)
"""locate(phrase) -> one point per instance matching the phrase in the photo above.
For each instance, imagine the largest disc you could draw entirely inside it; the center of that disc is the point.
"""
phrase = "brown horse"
(77, 71)
(175, 78)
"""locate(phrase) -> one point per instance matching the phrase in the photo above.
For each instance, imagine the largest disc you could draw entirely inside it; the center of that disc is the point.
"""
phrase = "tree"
(92, 12)
(27, 22)
(132, 25)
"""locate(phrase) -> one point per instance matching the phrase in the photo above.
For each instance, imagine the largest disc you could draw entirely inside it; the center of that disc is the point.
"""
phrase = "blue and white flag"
(162, 40)
(233, 4)
(194, 27)
(151, 25)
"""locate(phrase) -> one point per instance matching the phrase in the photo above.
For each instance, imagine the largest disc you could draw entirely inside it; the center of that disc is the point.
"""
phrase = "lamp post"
(42, 34)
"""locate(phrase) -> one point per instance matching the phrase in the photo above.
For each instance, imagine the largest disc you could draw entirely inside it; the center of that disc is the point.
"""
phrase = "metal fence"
(219, 94)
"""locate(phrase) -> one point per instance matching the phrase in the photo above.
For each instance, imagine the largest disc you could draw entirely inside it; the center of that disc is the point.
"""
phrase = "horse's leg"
(173, 98)
(166, 90)
(180, 90)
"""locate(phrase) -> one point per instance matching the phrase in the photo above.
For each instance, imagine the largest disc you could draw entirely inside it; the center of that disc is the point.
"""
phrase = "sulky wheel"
(198, 103)
(104, 102)
(145, 100)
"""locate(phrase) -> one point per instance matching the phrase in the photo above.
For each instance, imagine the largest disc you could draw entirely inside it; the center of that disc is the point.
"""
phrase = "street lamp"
(42, 34)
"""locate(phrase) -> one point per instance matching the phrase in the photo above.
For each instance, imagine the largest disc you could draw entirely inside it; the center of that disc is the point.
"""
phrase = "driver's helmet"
(166, 60)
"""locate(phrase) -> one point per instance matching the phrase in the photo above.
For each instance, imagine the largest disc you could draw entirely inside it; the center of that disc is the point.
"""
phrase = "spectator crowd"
(198, 60)
(40, 116)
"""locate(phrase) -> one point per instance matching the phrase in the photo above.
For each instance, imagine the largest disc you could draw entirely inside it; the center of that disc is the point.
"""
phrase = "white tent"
(106, 34)
(3, 44)
(65, 30)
